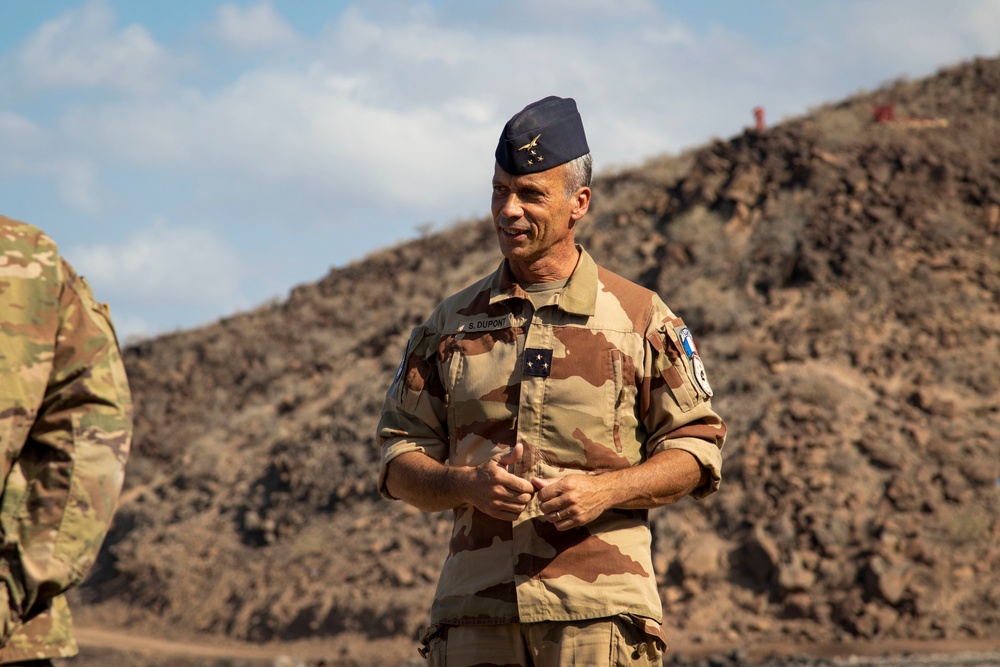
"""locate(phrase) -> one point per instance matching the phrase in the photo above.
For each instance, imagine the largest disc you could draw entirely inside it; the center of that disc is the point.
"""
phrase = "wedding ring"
(558, 517)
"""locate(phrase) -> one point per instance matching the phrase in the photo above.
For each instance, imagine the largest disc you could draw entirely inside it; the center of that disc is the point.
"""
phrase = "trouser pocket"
(639, 641)
(432, 640)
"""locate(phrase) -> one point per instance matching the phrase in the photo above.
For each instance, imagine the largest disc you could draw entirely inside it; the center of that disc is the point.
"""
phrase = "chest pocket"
(477, 370)
(478, 365)
(584, 400)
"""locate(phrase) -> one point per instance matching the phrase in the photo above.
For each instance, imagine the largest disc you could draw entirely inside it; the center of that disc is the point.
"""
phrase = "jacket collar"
(579, 297)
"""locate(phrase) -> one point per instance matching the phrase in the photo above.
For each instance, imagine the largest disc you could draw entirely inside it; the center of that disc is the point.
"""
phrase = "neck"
(552, 267)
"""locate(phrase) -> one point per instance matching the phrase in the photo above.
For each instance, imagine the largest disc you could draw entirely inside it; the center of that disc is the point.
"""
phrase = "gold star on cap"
(530, 147)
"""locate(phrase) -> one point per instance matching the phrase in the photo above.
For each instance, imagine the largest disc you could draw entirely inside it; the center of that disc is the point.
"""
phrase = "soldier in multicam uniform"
(550, 406)
(65, 431)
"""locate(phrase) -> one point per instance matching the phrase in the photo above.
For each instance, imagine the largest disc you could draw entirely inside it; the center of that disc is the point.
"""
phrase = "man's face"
(533, 216)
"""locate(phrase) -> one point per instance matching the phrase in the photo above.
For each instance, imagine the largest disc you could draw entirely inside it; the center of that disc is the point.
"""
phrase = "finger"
(514, 508)
(557, 517)
(512, 456)
(520, 488)
(540, 482)
(548, 490)
(509, 510)
(512, 502)
(520, 495)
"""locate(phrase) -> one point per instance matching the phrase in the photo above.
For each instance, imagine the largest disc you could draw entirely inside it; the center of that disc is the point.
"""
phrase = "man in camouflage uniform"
(549, 405)
(65, 430)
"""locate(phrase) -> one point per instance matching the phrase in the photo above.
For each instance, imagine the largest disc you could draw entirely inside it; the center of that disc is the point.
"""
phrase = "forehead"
(541, 180)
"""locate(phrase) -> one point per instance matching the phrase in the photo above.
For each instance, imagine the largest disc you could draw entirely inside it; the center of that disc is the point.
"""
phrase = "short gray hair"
(579, 173)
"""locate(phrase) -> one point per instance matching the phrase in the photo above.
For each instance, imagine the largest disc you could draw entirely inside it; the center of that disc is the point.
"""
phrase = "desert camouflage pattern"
(65, 431)
(596, 381)
(608, 642)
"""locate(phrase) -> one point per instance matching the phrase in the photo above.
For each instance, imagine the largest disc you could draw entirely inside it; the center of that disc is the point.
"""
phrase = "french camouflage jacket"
(601, 379)
(65, 431)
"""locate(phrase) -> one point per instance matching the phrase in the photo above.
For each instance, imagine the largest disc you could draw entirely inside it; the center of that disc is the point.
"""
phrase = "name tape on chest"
(487, 324)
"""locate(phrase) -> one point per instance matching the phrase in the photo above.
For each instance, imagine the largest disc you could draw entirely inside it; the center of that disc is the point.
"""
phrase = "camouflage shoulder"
(26, 251)
(642, 305)
(662, 313)
(619, 285)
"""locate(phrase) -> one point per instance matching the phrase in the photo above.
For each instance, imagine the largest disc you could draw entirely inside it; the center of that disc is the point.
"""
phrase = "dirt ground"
(120, 649)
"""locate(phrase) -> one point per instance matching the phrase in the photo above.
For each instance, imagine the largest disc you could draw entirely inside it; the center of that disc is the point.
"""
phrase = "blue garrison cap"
(543, 135)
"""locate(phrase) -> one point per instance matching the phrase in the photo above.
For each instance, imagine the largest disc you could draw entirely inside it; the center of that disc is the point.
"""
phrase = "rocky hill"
(841, 276)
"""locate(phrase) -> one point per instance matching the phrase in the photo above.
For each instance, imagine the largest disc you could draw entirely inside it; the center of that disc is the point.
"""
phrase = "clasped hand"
(566, 502)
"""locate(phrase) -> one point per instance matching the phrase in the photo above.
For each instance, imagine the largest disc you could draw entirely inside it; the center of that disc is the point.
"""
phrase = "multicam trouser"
(615, 641)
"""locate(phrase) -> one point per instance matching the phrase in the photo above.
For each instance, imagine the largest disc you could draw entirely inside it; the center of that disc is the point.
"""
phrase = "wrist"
(613, 489)
(453, 484)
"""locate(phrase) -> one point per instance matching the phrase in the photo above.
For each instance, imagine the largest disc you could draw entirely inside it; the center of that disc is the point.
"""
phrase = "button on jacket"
(598, 380)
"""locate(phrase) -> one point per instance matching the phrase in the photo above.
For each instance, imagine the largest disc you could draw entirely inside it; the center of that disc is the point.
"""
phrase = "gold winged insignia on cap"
(530, 147)
(531, 144)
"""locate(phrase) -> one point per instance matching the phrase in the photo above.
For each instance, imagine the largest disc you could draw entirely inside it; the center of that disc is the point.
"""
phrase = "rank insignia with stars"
(537, 362)
(530, 147)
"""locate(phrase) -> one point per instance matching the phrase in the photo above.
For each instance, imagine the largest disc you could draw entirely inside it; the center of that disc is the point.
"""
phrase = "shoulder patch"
(697, 365)
(700, 375)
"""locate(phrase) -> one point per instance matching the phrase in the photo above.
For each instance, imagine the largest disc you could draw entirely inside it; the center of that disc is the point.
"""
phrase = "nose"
(510, 207)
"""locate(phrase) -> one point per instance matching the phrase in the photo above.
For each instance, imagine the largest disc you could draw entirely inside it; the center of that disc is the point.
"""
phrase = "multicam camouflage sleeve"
(65, 432)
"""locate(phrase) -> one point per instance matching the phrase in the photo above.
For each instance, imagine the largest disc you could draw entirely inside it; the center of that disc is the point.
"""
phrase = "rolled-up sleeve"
(677, 409)
(414, 414)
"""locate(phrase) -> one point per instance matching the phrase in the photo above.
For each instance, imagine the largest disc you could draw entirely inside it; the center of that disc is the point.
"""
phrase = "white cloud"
(80, 49)
(275, 127)
(166, 264)
(895, 37)
(19, 133)
(253, 27)
(396, 116)
(983, 24)
(78, 183)
(399, 112)
(29, 152)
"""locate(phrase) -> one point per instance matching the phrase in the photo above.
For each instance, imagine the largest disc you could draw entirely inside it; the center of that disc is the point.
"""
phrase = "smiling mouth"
(513, 233)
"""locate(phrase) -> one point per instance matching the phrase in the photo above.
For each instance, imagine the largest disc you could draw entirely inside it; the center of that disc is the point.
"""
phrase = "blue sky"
(196, 158)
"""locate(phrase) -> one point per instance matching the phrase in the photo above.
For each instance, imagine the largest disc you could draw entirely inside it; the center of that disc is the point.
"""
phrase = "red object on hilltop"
(758, 116)
(884, 113)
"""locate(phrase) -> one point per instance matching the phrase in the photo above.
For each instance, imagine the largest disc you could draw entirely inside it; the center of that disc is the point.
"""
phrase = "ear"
(581, 203)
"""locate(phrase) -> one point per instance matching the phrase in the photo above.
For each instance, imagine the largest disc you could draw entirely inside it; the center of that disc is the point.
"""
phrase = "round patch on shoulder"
(701, 376)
